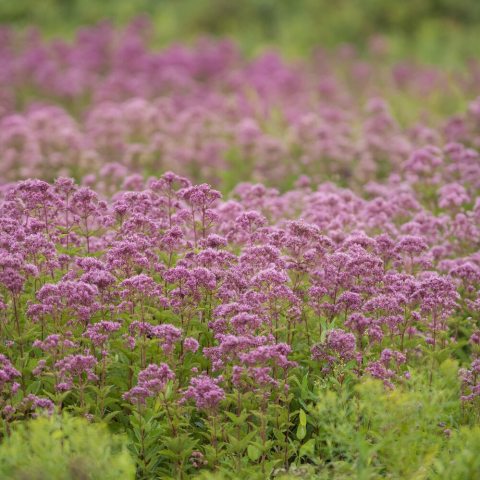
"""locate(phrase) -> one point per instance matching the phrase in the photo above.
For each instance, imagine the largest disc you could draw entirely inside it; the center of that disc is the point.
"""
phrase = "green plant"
(460, 459)
(64, 448)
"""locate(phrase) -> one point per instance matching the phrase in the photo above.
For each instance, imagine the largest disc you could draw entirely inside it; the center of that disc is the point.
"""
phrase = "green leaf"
(303, 418)
(110, 416)
(237, 419)
(301, 432)
(34, 387)
(308, 448)
(253, 452)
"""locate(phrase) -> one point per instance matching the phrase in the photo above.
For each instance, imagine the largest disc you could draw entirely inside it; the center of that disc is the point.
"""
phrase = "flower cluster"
(205, 392)
(76, 368)
(137, 298)
(109, 108)
(151, 382)
(235, 288)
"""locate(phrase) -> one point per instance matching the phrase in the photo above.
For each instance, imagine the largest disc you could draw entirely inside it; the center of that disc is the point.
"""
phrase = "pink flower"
(205, 392)
(76, 368)
(151, 381)
(190, 344)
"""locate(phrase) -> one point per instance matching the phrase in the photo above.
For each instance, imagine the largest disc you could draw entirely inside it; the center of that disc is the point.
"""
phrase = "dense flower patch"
(107, 107)
(213, 329)
(173, 299)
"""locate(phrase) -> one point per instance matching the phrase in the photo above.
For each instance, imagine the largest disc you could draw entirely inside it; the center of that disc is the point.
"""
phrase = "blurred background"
(441, 32)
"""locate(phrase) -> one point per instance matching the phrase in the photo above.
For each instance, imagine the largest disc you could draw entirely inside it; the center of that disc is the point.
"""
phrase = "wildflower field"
(223, 265)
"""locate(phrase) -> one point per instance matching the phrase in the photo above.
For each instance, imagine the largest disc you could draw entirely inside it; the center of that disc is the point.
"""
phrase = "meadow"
(217, 263)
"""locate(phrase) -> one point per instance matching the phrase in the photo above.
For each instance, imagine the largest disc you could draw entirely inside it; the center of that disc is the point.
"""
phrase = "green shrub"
(461, 459)
(370, 432)
(64, 448)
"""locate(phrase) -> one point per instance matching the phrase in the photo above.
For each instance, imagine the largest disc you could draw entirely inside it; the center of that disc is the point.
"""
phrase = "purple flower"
(99, 333)
(76, 368)
(190, 344)
(342, 343)
(151, 382)
(205, 392)
(7, 373)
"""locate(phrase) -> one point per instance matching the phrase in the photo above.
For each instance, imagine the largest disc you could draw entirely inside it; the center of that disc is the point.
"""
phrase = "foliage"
(63, 448)
(441, 31)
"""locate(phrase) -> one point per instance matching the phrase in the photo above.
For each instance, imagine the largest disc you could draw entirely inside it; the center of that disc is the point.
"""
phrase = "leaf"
(308, 448)
(234, 444)
(253, 452)
(34, 387)
(301, 432)
(303, 418)
(237, 419)
(239, 445)
(111, 416)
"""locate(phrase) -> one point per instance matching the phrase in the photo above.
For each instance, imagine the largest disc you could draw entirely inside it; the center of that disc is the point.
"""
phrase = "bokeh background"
(442, 32)
(397, 75)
